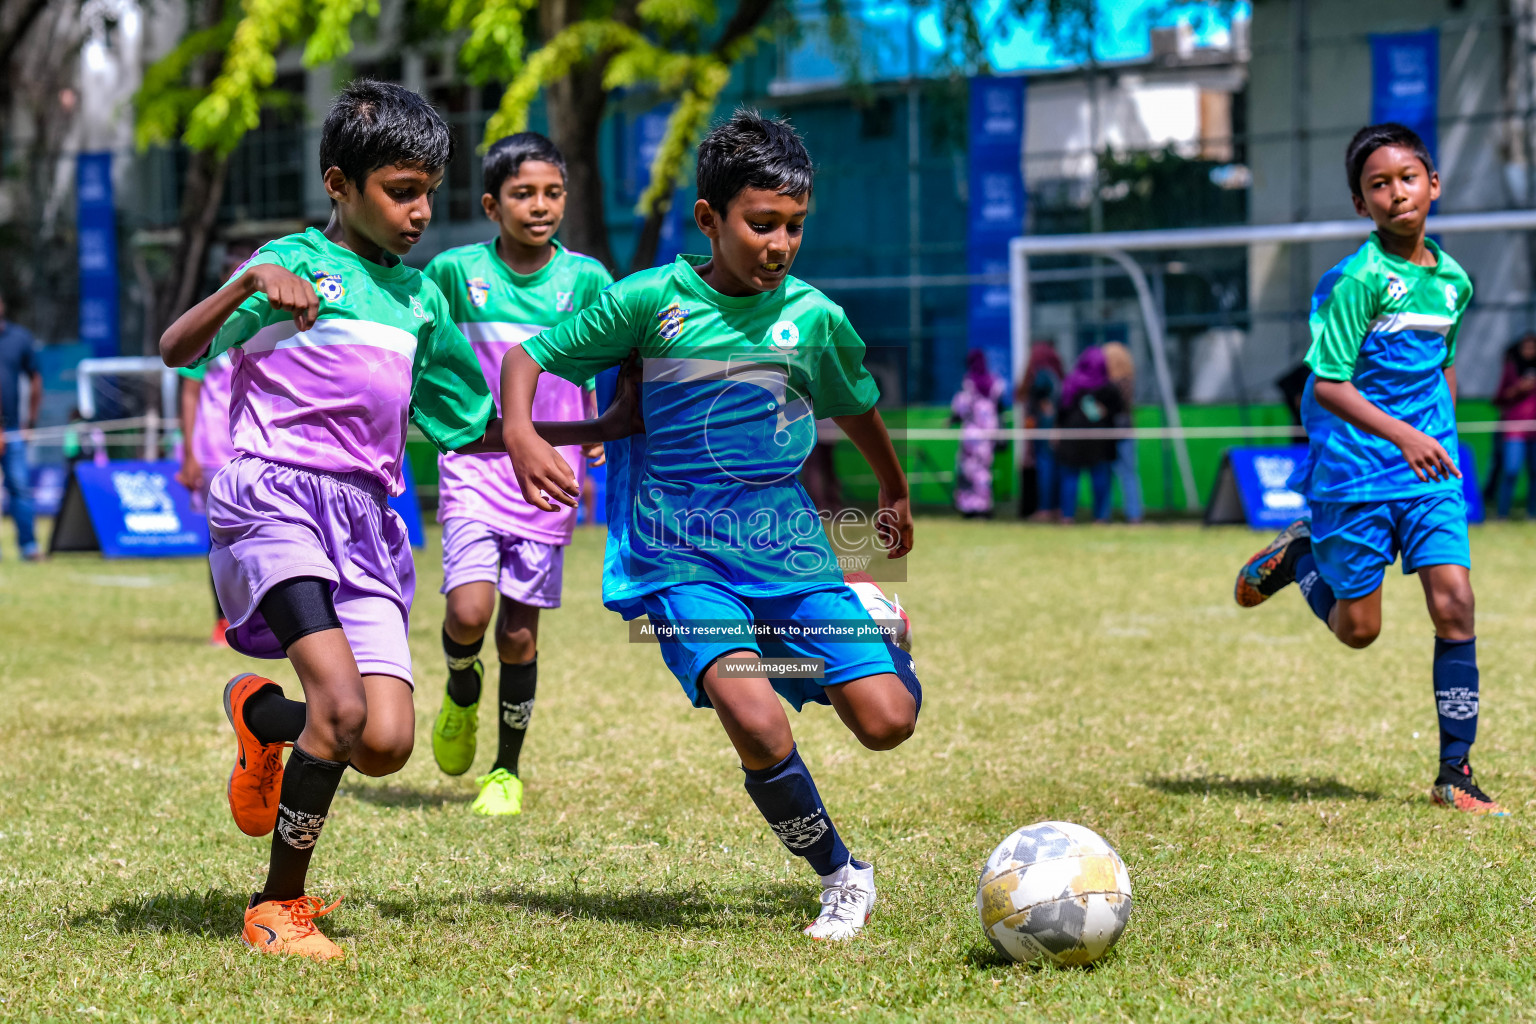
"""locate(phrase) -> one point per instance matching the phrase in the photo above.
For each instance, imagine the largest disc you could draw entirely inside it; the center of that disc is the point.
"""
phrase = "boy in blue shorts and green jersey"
(1380, 414)
(715, 532)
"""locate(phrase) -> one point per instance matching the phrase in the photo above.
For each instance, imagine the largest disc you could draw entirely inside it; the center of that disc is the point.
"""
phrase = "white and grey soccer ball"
(1054, 891)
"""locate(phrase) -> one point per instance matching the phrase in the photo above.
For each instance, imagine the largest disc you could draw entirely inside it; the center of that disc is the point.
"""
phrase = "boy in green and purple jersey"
(500, 293)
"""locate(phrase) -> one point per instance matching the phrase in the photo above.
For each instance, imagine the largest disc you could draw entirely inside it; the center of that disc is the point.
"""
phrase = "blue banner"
(1268, 504)
(138, 510)
(996, 211)
(409, 508)
(645, 136)
(1405, 82)
(96, 228)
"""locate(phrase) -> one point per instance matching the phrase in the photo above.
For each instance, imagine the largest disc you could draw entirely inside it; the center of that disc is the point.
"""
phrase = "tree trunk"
(202, 191)
(576, 104)
(749, 14)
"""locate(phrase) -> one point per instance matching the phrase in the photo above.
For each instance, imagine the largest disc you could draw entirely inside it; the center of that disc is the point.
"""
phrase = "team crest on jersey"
(1396, 289)
(1451, 295)
(478, 290)
(329, 286)
(672, 320)
(784, 336)
(565, 302)
(417, 309)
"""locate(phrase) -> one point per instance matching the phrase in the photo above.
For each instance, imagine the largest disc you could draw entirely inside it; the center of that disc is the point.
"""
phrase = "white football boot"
(884, 610)
(847, 901)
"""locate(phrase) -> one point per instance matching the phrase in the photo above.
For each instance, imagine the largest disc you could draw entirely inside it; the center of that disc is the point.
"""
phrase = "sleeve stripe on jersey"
(666, 370)
(334, 331)
(1392, 323)
(497, 330)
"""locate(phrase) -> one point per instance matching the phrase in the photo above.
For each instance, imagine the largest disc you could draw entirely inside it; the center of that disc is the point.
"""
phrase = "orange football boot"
(288, 926)
(218, 639)
(256, 781)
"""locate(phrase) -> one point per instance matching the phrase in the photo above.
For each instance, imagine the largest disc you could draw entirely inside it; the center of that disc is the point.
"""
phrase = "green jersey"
(1389, 327)
(497, 309)
(336, 397)
(732, 389)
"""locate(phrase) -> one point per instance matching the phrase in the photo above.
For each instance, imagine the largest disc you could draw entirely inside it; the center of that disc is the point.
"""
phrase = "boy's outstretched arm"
(1425, 455)
(893, 521)
(620, 419)
(188, 337)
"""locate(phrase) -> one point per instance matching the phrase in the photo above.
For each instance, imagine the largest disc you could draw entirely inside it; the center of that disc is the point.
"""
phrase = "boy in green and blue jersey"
(715, 536)
(1380, 477)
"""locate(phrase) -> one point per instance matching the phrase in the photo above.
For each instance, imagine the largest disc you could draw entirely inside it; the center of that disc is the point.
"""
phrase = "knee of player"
(464, 620)
(887, 730)
(340, 722)
(1361, 636)
(386, 758)
(515, 646)
(1453, 610)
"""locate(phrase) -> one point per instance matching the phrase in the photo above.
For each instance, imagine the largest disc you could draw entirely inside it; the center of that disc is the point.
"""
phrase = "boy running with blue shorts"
(711, 533)
(1379, 410)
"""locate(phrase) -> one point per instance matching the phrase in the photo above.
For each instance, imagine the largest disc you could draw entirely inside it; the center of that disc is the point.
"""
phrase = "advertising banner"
(96, 224)
(1250, 488)
(996, 211)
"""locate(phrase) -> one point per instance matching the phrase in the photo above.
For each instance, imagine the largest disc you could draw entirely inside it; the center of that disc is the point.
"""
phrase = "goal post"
(1117, 246)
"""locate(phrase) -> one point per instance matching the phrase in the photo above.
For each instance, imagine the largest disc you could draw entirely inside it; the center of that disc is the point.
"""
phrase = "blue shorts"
(1354, 542)
(728, 612)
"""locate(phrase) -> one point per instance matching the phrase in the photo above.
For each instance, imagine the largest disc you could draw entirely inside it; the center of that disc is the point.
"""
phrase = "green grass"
(1265, 786)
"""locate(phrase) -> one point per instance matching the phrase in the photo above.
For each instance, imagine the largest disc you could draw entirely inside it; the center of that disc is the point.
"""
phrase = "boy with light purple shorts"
(206, 445)
(336, 343)
(502, 292)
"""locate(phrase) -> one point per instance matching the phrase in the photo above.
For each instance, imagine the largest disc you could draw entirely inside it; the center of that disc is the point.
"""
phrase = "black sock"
(273, 718)
(518, 683)
(309, 784)
(786, 795)
(463, 677)
(218, 609)
(1287, 566)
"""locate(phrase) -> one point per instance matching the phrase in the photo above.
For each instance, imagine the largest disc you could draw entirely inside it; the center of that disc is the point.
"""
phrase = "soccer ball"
(1054, 891)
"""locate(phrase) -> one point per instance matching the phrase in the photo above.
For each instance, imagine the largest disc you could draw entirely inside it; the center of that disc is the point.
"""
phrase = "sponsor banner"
(129, 510)
(996, 211)
(409, 507)
(1251, 488)
(1405, 82)
(646, 133)
(96, 230)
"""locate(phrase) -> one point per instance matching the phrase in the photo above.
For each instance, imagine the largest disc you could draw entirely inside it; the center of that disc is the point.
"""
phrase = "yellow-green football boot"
(453, 734)
(501, 792)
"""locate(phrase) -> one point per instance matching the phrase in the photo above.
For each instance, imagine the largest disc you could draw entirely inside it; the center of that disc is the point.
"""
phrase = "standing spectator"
(18, 359)
(1037, 399)
(1516, 399)
(1122, 373)
(975, 407)
(1089, 401)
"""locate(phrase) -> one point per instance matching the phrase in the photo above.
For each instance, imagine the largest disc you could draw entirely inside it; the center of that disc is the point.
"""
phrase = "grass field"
(1265, 786)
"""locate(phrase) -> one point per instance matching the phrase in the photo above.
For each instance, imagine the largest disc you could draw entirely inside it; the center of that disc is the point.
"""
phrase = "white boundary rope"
(117, 428)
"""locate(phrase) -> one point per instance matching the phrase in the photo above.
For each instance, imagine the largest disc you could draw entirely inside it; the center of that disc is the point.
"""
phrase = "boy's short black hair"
(752, 151)
(1374, 136)
(508, 154)
(374, 124)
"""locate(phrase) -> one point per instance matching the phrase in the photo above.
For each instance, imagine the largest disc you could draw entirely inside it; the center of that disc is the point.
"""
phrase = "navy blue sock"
(786, 795)
(907, 673)
(1456, 696)
(1314, 588)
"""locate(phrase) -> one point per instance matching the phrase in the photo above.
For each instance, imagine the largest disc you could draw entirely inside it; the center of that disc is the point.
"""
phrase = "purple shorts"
(270, 522)
(529, 572)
